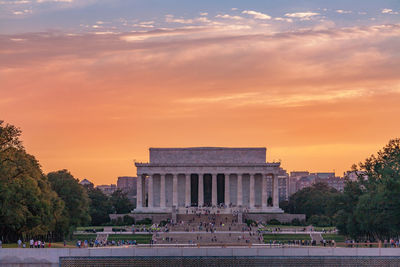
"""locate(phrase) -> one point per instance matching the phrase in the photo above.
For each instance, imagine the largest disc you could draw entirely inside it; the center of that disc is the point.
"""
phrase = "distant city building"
(293, 178)
(107, 189)
(283, 185)
(353, 175)
(128, 185)
(298, 174)
(323, 175)
(86, 182)
(335, 182)
(299, 180)
(304, 181)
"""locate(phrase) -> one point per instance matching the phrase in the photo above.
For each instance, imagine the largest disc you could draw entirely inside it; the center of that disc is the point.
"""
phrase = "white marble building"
(230, 178)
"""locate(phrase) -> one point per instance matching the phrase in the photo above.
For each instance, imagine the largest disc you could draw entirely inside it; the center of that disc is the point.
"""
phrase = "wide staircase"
(207, 223)
(102, 238)
(207, 229)
(207, 238)
(215, 218)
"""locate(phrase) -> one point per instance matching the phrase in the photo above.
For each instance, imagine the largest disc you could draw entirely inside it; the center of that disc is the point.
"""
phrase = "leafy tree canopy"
(28, 206)
(74, 195)
(370, 208)
(100, 206)
(121, 202)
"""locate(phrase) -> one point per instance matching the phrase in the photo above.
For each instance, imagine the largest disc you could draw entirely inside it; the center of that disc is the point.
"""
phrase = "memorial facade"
(178, 179)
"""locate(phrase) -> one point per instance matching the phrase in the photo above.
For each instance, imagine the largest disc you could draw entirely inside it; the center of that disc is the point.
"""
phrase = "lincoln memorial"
(178, 179)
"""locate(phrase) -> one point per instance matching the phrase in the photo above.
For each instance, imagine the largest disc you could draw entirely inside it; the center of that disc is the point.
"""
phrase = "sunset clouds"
(317, 95)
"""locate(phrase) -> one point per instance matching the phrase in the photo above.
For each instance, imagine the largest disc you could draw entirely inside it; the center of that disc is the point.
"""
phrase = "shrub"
(297, 222)
(320, 221)
(128, 220)
(163, 223)
(144, 221)
(250, 222)
(274, 222)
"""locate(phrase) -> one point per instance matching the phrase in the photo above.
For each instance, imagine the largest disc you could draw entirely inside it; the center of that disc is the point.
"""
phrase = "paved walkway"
(317, 237)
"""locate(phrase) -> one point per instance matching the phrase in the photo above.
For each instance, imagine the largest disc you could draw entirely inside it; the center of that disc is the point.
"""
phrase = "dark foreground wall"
(239, 256)
(231, 261)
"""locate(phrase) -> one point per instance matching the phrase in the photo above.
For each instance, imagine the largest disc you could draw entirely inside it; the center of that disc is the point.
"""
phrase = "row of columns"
(140, 186)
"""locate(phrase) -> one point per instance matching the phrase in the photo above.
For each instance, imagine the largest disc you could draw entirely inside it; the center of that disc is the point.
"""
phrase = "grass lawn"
(140, 239)
(337, 238)
(285, 237)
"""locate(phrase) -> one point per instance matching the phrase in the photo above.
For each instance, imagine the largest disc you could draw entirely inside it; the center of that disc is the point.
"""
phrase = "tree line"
(33, 204)
(369, 207)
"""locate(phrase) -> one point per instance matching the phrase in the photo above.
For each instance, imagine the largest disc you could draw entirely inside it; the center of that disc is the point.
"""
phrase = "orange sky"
(319, 99)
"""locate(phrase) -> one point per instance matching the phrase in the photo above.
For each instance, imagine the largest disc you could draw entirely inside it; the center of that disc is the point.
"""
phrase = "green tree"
(373, 208)
(120, 202)
(28, 206)
(100, 206)
(74, 195)
(318, 199)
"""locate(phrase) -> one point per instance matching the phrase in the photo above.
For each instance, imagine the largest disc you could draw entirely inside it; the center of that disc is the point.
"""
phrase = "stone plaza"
(180, 179)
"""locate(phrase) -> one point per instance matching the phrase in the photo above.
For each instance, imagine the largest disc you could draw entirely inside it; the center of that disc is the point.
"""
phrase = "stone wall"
(51, 257)
(282, 217)
(207, 155)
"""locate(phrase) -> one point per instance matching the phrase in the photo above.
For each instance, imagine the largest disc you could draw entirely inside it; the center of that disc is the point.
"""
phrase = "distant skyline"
(93, 83)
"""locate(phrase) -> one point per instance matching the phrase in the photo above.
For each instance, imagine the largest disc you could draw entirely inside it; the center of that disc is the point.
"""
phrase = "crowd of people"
(103, 243)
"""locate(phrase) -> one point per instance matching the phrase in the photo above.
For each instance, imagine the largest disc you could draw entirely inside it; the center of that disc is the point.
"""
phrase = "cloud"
(283, 19)
(172, 19)
(54, 1)
(257, 15)
(302, 15)
(226, 16)
(22, 12)
(389, 11)
(313, 87)
(341, 11)
(203, 14)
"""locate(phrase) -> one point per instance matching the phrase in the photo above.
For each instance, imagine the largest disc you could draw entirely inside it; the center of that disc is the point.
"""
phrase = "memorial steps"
(207, 238)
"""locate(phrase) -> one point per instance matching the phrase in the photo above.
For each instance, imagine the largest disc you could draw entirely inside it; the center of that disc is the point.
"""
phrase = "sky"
(94, 83)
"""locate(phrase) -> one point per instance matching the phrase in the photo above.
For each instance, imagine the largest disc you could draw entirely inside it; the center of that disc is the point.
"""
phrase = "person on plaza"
(31, 243)
(19, 242)
(1, 244)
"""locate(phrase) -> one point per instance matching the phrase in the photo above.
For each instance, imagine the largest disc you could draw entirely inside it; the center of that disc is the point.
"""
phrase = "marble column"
(150, 193)
(214, 199)
(264, 195)
(239, 190)
(227, 190)
(139, 192)
(201, 190)
(175, 190)
(187, 190)
(275, 201)
(252, 196)
(162, 191)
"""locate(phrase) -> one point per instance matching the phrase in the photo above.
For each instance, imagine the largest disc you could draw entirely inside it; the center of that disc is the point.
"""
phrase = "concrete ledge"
(51, 256)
